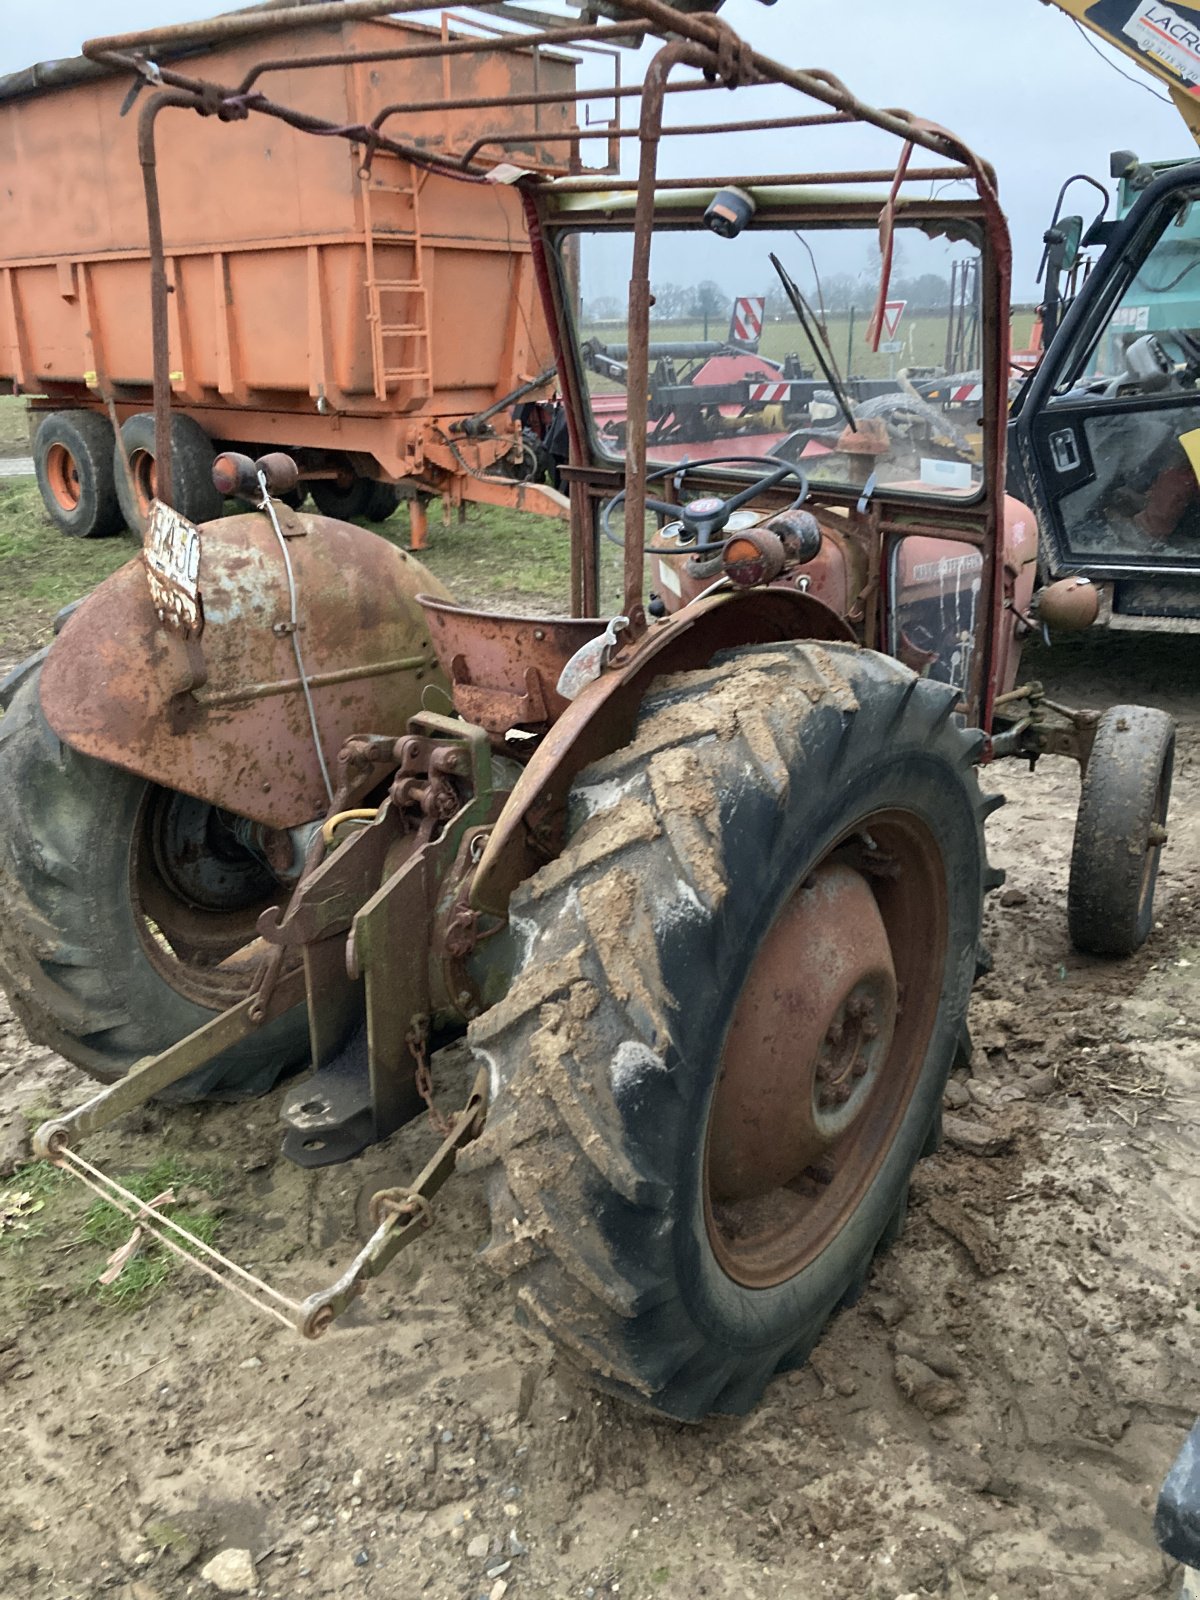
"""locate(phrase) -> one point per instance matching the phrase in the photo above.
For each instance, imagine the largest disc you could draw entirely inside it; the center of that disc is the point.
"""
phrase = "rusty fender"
(223, 717)
(531, 829)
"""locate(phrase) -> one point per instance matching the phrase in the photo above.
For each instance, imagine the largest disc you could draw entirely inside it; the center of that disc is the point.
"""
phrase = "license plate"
(172, 557)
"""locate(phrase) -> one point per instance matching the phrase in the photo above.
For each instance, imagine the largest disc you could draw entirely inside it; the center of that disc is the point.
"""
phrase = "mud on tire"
(748, 787)
(77, 959)
(1119, 830)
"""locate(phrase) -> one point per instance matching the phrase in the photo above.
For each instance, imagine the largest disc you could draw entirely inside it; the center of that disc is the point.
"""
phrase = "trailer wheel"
(343, 498)
(192, 456)
(1120, 830)
(73, 459)
(383, 501)
(743, 985)
(127, 915)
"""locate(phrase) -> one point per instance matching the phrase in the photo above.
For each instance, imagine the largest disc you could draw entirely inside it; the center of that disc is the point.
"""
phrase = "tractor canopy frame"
(715, 60)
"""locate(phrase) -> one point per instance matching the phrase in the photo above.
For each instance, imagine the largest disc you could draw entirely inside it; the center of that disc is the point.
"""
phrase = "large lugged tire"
(192, 455)
(73, 459)
(1119, 831)
(744, 982)
(87, 916)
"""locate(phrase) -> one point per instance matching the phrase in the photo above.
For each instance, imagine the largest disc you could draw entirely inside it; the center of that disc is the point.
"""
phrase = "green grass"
(33, 1200)
(106, 1227)
(491, 556)
(504, 559)
(24, 1203)
(14, 426)
(923, 335)
(40, 569)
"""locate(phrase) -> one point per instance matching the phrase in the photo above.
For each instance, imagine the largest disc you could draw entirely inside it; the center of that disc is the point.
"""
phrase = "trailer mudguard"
(225, 716)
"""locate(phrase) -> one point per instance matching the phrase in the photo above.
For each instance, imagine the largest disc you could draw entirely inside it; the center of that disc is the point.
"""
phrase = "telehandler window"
(1122, 431)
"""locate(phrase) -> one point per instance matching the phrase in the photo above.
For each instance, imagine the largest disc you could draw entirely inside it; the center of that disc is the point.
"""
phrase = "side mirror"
(1062, 243)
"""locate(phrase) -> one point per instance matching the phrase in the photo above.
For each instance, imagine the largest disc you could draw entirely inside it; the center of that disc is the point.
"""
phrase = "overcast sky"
(1016, 79)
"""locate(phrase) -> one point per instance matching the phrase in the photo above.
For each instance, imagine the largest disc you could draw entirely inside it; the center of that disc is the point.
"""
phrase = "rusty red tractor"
(699, 873)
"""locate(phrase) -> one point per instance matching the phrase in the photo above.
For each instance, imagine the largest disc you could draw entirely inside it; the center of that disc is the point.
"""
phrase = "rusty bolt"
(446, 759)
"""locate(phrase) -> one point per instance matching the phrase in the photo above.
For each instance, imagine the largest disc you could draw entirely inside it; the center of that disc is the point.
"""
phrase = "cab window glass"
(734, 370)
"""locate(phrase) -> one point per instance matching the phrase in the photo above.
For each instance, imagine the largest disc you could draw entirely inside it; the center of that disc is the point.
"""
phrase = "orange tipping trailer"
(373, 317)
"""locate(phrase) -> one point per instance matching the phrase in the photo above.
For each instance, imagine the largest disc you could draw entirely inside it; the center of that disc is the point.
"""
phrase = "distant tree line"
(708, 302)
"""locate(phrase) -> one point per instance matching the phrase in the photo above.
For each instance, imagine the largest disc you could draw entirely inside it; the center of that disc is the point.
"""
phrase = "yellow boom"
(1163, 39)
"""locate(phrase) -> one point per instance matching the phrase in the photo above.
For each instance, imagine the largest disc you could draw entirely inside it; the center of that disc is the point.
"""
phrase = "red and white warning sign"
(745, 325)
(771, 394)
(893, 310)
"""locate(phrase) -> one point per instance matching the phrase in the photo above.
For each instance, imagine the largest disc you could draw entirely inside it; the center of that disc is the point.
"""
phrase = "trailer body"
(348, 307)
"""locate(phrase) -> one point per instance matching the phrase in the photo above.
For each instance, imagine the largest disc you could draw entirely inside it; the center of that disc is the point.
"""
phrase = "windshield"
(759, 345)
(1159, 295)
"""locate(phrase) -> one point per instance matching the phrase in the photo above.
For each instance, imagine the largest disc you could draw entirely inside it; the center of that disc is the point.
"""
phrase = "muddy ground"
(429, 1448)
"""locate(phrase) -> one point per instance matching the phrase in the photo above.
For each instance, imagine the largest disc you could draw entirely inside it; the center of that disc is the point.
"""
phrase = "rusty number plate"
(172, 557)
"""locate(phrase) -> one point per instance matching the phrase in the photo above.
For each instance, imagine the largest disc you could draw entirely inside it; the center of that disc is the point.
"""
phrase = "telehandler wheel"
(127, 915)
(192, 456)
(743, 985)
(73, 459)
(1120, 830)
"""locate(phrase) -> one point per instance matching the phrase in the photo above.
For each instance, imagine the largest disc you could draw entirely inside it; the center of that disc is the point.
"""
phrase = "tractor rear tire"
(87, 912)
(73, 459)
(194, 495)
(1119, 831)
(744, 983)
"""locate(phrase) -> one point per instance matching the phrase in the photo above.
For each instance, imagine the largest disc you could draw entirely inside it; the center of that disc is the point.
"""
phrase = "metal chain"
(416, 1041)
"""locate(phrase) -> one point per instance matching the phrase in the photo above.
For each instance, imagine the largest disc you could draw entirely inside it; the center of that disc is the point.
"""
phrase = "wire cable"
(267, 505)
(1120, 71)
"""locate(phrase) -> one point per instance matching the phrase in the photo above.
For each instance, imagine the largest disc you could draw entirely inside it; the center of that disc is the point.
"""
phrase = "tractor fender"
(532, 826)
(224, 717)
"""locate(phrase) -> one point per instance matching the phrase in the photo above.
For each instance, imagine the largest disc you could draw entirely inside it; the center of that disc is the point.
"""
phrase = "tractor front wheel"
(1120, 830)
(745, 981)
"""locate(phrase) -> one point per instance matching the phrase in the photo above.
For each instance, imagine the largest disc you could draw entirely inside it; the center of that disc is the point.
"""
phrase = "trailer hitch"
(398, 1215)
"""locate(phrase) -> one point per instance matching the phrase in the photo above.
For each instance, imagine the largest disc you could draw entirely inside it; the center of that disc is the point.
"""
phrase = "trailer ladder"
(397, 307)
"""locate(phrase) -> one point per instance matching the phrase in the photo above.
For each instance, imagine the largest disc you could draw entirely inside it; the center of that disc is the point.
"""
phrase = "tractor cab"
(794, 450)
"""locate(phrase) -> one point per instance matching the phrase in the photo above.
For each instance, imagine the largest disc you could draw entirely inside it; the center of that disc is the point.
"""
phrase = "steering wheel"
(706, 516)
(1149, 367)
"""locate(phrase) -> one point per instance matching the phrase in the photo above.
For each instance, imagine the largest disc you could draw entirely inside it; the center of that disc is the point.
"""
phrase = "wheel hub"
(62, 475)
(812, 1027)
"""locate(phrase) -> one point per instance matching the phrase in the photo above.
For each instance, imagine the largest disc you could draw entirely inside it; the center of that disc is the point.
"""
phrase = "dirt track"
(992, 1419)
